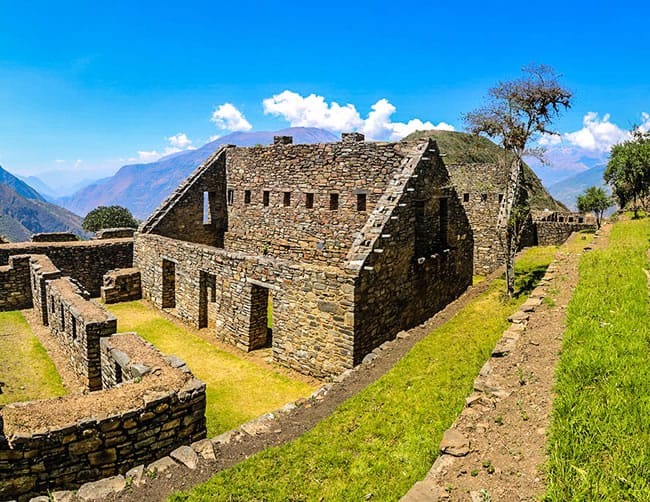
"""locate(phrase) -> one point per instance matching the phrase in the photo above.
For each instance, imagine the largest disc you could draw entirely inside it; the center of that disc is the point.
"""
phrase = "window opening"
(231, 196)
(361, 202)
(465, 197)
(266, 196)
(287, 199)
(247, 197)
(334, 201)
(309, 200)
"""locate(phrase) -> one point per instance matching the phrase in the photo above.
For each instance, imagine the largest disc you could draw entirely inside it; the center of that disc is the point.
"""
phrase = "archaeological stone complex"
(320, 252)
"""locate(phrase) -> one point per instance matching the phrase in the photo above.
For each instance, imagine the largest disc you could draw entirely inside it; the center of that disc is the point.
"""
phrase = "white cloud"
(77, 163)
(59, 161)
(229, 118)
(178, 143)
(597, 135)
(180, 140)
(314, 111)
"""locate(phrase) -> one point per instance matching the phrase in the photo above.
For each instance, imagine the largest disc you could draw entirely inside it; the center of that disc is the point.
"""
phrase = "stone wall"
(313, 305)
(42, 270)
(115, 233)
(78, 325)
(54, 237)
(553, 233)
(414, 256)
(84, 261)
(135, 422)
(15, 291)
(121, 285)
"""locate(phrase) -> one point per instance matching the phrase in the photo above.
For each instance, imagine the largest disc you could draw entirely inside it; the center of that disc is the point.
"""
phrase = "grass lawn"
(25, 368)
(379, 443)
(237, 390)
(600, 438)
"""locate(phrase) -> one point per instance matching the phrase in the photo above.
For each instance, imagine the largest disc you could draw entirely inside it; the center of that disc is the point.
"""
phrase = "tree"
(594, 199)
(628, 170)
(517, 113)
(108, 217)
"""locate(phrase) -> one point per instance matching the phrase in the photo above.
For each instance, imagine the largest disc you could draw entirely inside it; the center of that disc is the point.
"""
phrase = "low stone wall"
(15, 292)
(86, 437)
(84, 261)
(78, 325)
(54, 237)
(42, 270)
(122, 285)
(551, 233)
(115, 233)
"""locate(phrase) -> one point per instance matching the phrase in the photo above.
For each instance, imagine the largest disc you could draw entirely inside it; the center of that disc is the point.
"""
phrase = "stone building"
(346, 243)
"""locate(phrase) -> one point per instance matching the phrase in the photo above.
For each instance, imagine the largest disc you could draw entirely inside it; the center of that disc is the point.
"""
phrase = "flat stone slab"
(422, 491)
(63, 496)
(519, 317)
(40, 498)
(161, 465)
(136, 475)
(454, 443)
(99, 490)
(186, 456)
(205, 449)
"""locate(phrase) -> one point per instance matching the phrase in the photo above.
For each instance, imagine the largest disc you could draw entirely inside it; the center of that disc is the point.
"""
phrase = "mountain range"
(142, 187)
(568, 189)
(24, 211)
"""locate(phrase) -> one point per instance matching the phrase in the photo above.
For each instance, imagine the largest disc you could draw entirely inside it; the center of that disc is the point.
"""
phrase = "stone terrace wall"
(121, 285)
(312, 306)
(550, 233)
(78, 325)
(285, 226)
(15, 291)
(164, 409)
(115, 233)
(416, 260)
(84, 261)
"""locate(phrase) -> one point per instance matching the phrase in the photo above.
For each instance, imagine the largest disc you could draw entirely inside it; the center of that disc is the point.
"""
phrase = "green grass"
(380, 442)
(238, 390)
(600, 437)
(25, 368)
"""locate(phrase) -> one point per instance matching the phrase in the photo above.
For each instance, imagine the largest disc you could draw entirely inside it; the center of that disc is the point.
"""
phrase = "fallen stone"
(519, 317)
(63, 496)
(161, 465)
(422, 491)
(288, 407)
(40, 498)
(136, 475)
(205, 449)
(256, 427)
(186, 456)
(343, 376)
(369, 358)
(454, 443)
(99, 490)
(224, 438)
(402, 334)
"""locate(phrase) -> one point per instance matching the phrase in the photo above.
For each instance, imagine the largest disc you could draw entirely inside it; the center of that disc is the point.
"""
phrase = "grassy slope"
(385, 438)
(237, 390)
(461, 147)
(600, 438)
(25, 368)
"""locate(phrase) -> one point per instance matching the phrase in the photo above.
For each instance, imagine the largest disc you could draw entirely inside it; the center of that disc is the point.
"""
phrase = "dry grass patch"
(238, 390)
(26, 370)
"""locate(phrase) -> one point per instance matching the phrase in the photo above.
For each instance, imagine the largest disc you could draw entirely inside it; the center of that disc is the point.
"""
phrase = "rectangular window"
(483, 197)
(231, 196)
(361, 202)
(465, 197)
(500, 198)
(247, 197)
(266, 197)
(287, 199)
(334, 201)
(74, 328)
(309, 200)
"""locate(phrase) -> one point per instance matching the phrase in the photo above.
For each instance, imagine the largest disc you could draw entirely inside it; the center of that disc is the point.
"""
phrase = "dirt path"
(505, 429)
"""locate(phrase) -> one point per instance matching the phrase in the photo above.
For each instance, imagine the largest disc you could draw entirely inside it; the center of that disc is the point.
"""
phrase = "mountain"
(20, 217)
(460, 147)
(568, 189)
(44, 189)
(21, 188)
(142, 187)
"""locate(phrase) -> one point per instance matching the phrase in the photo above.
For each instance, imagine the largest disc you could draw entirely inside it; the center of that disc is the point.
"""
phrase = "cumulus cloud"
(227, 117)
(314, 111)
(177, 143)
(597, 134)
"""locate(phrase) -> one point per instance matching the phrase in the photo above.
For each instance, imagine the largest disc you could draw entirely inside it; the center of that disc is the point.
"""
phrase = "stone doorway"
(207, 300)
(168, 284)
(260, 333)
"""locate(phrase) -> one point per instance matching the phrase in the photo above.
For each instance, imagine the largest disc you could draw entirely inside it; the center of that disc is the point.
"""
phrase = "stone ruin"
(346, 243)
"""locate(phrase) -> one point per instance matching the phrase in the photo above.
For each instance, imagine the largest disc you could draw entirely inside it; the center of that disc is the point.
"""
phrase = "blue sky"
(86, 87)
